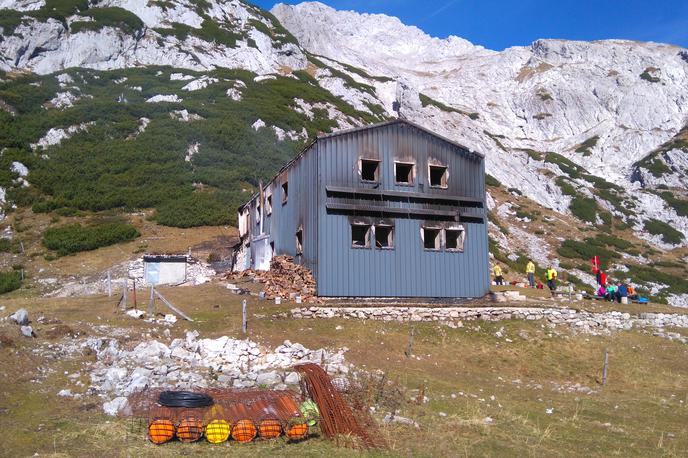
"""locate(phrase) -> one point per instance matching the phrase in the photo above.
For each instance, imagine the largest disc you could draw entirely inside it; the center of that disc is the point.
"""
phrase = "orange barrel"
(160, 431)
(190, 429)
(244, 431)
(269, 428)
(297, 429)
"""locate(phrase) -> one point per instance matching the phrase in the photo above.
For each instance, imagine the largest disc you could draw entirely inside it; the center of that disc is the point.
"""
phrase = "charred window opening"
(299, 241)
(360, 235)
(370, 170)
(431, 238)
(438, 176)
(285, 192)
(384, 237)
(268, 205)
(454, 239)
(403, 173)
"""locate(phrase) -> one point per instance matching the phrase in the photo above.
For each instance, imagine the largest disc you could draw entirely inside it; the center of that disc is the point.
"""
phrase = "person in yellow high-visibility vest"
(499, 279)
(530, 271)
(551, 276)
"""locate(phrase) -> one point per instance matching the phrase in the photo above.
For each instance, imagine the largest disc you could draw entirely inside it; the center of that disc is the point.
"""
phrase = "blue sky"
(500, 24)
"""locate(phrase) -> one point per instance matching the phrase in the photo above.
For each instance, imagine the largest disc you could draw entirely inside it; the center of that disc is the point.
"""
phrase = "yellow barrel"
(217, 431)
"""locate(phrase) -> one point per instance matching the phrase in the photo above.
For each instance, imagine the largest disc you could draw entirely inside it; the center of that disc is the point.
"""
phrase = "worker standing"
(551, 276)
(530, 271)
(499, 279)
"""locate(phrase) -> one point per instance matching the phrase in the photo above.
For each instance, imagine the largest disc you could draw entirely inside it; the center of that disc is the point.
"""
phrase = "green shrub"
(428, 101)
(199, 209)
(614, 241)
(109, 17)
(75, 238)
(566, 186)
(492, 181)
(584, 208)
(668, 233)
(586, 147)
(570, 168)
(584, 250)
(647, 75)
(9, 281)
(679, 205)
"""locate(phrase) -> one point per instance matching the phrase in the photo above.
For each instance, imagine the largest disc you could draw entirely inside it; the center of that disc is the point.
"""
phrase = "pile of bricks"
(285, 279)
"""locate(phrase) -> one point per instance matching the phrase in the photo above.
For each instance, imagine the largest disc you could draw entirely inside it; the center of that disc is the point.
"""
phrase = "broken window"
(438, 176)
(403, 173)
(268, 205)
(285, 192)
(370, 170)
(454, 239)
(360, 235)
(257, 215)
(299, 241)
(384, 237)
(431, 238)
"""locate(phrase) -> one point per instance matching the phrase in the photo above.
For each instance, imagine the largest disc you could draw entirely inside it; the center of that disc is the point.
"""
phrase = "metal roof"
(358, 129)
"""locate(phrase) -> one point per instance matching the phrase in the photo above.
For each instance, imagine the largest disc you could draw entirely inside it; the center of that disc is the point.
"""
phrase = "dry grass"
(638, 413)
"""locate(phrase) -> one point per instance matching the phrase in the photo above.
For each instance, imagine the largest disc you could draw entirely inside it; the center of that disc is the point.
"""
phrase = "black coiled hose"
(184, 399)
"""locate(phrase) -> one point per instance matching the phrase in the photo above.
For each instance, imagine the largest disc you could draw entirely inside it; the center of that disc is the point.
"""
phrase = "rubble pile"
(284, 279)
(192, 363)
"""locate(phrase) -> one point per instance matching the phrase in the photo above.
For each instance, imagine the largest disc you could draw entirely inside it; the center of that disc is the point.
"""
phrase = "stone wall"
(581, 320)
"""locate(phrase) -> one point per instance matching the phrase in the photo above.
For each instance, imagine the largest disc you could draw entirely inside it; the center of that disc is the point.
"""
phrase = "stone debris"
(192, 363)
(389, 418)
(27, 331)
(580, 321)
(21, 317)
(284, 279)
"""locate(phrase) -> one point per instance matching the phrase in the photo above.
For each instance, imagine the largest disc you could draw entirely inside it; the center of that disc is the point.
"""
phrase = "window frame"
(412, 181)
(445, 176)
(391, 236)
(462, 238)
(285, 191)
(268, 204)
(438, 244)
(299, 241)
(368, 238)
(377, 169)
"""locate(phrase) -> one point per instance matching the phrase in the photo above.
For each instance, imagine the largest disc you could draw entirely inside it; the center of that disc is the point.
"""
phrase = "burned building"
(387, 210)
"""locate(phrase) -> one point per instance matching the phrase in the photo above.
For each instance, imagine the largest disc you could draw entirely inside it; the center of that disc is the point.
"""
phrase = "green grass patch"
(668, 233)
(74, 238)
(9, 281)
(613, 241)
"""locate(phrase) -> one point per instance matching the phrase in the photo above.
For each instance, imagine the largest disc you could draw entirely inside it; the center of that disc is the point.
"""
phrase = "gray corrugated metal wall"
(300, 210)
(407, 270)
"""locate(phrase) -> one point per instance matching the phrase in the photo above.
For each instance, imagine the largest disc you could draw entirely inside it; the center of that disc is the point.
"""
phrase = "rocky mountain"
(604, 106)
(184, 105)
